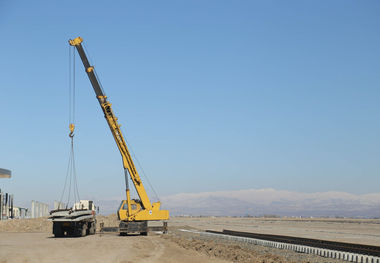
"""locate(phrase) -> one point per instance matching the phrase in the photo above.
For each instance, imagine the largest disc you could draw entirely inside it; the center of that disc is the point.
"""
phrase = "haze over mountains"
(259, 202)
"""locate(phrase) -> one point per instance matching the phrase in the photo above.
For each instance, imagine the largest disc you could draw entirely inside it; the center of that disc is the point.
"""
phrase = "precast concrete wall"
(39, 209)
(6, 206)
(58, 205)
(20, 212)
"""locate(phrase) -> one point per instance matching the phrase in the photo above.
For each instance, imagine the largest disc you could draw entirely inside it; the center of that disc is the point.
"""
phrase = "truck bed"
(71, 215)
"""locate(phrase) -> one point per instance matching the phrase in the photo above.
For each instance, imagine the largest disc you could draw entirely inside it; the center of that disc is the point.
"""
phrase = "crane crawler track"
(318, 243)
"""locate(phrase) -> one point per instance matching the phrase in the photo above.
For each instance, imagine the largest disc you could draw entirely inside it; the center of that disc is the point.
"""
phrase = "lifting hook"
(71, 126)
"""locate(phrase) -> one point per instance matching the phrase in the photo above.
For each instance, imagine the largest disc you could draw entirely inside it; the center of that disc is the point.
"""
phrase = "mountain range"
(261, 202)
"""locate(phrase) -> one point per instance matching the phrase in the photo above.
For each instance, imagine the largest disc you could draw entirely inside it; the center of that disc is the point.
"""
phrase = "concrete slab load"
(4, 173)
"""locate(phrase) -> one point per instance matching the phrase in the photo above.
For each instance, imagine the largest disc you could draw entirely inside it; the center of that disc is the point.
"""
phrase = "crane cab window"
(133, 207)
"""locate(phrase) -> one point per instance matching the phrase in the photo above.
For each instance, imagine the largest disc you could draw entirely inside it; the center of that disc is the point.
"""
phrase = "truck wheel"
(92, 229)
(84, 230)
(144, 233)
(57, 230)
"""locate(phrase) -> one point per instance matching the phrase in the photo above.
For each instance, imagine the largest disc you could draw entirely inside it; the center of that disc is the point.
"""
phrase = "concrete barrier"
(327, 253)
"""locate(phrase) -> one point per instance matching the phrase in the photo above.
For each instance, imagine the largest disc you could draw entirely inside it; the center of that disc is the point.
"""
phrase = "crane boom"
(141, 209)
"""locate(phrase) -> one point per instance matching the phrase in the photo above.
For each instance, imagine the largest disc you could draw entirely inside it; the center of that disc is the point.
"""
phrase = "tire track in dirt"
(158, 251)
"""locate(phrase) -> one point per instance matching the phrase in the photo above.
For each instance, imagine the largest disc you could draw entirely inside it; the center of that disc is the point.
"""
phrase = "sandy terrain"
(30, 240)
(42, 247)
(364, 231)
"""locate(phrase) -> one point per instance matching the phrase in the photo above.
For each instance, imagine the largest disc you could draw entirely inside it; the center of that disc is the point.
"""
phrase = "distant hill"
(259, 202)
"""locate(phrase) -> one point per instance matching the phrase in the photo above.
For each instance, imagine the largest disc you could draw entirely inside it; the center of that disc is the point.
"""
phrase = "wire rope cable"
(128, 144)
(89, 60)
(64, 188)
(70, 79)
(74, 91)
(76, 191)
(71, 182)
(142, 169)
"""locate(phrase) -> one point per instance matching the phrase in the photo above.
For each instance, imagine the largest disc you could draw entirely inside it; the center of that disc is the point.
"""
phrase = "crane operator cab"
(122, 212)
(133, 220)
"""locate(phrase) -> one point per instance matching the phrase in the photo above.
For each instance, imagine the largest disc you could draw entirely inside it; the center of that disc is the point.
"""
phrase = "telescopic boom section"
(114, 126)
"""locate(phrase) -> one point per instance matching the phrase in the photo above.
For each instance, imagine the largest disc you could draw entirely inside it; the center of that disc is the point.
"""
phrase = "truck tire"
(92, 229)
(57, 230)
(84, 230)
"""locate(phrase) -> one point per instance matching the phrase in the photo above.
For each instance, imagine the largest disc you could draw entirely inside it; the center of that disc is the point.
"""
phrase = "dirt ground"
(42, 247)
(30, 240)
(363, 231)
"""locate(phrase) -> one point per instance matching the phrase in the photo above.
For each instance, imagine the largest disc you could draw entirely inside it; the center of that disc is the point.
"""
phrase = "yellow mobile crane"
(133, 214)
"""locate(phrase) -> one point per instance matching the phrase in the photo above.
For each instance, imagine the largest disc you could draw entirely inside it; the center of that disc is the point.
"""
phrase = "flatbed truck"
(78, 221)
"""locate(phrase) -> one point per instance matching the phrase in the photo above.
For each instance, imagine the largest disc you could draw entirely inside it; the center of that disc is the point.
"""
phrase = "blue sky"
(212, 95)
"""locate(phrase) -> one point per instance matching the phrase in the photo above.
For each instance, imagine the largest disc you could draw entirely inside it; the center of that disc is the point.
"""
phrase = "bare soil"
(363, 231)
(229, 252)
(31, 240)
(42, 247)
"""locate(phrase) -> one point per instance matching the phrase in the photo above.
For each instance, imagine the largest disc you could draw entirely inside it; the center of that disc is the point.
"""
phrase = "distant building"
(20, 212)
(6, 200)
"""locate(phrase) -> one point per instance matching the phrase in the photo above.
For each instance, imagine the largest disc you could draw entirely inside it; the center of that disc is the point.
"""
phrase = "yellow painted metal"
(136, 213)
(75, 41)
(129, 202)
(71, 127)
(130, 210)
(126, 157)
(144, 210)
